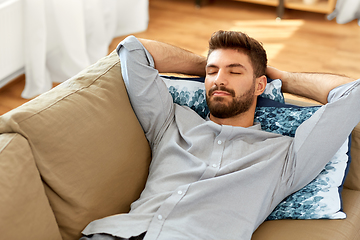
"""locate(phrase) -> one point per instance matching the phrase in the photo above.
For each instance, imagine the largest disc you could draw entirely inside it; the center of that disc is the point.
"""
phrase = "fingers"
(274, 73)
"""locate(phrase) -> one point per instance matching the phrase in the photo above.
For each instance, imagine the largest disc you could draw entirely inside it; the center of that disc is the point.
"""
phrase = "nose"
(220, 79)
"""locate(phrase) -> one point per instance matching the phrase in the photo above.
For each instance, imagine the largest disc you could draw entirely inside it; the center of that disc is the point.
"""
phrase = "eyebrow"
(228, 66)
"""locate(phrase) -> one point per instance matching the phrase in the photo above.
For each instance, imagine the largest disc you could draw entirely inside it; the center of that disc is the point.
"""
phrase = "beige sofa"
(77, 153)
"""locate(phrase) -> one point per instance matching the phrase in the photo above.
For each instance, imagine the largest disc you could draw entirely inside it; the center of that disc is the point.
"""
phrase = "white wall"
(11, 40)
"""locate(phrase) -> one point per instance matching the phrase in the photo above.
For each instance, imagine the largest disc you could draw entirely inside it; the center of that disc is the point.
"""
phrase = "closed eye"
(211, 72)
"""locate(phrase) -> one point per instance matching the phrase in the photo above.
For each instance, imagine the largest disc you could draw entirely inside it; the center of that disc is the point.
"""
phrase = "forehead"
(228, 57)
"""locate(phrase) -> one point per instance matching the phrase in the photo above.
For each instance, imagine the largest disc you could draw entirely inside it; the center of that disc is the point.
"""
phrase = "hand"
(274, 73)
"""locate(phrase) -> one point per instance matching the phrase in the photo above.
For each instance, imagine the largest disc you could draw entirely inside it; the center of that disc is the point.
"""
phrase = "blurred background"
(44, 42)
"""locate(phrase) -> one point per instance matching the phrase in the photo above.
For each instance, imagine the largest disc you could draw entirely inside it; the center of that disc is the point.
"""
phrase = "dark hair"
(242, 43)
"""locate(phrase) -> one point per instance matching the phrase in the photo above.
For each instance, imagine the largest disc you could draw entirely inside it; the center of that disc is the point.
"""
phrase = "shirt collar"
(256, 126)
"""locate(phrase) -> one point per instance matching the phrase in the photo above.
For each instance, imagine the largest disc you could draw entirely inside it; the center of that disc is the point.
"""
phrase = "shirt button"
(219, 142)
(160, 217)
(180, 192)
(214, 166)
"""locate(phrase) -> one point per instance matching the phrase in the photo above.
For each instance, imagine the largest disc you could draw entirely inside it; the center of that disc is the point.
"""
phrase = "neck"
(245, 119)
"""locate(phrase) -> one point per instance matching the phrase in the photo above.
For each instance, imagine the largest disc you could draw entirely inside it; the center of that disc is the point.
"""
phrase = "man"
(220, 178)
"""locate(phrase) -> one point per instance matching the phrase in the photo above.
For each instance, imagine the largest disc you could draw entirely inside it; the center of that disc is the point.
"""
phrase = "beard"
(219, 108)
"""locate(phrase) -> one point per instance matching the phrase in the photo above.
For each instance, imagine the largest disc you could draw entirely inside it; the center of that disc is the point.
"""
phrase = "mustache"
(221, 88)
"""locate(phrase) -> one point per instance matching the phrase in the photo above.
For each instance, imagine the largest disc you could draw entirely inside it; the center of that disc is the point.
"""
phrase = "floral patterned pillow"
(191, 92)
(319, 199)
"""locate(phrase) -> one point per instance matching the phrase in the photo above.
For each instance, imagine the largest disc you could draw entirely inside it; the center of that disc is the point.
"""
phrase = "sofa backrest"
(87, 144)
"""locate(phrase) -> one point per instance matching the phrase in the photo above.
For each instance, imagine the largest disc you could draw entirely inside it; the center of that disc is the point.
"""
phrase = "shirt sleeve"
(320, 137)
(147, 92)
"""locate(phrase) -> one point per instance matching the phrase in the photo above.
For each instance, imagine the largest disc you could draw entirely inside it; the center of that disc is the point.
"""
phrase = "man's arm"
(315, 86)
(171, 59)
(141, 62)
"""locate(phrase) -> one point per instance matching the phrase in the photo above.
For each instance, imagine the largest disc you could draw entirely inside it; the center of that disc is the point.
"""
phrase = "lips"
(221, 92)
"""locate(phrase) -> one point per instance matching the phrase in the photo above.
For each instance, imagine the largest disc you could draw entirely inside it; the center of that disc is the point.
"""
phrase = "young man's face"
(230, 83)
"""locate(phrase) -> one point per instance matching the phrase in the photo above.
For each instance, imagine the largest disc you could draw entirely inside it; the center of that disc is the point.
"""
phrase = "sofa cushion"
(89, 148)
(24, 208)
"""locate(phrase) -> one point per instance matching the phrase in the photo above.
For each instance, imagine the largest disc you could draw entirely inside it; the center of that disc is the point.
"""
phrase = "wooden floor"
(301, 41)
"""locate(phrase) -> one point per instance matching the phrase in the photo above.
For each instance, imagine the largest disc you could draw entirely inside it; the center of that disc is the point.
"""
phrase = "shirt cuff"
(342, 90)
(131, 44)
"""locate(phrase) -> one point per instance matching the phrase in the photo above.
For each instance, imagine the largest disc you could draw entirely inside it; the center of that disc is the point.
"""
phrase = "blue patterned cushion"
(319, 199)
(191, 92)
(188, 92)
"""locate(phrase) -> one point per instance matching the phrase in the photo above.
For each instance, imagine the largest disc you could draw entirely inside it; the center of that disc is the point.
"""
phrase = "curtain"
(62, 37)
(346, 11)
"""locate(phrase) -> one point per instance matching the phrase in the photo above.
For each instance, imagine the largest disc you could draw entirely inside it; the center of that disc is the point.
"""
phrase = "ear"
(260, 85)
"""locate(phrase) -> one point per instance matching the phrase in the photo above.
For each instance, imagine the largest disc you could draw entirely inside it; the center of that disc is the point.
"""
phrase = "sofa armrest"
(88, 145)
(24, 208)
